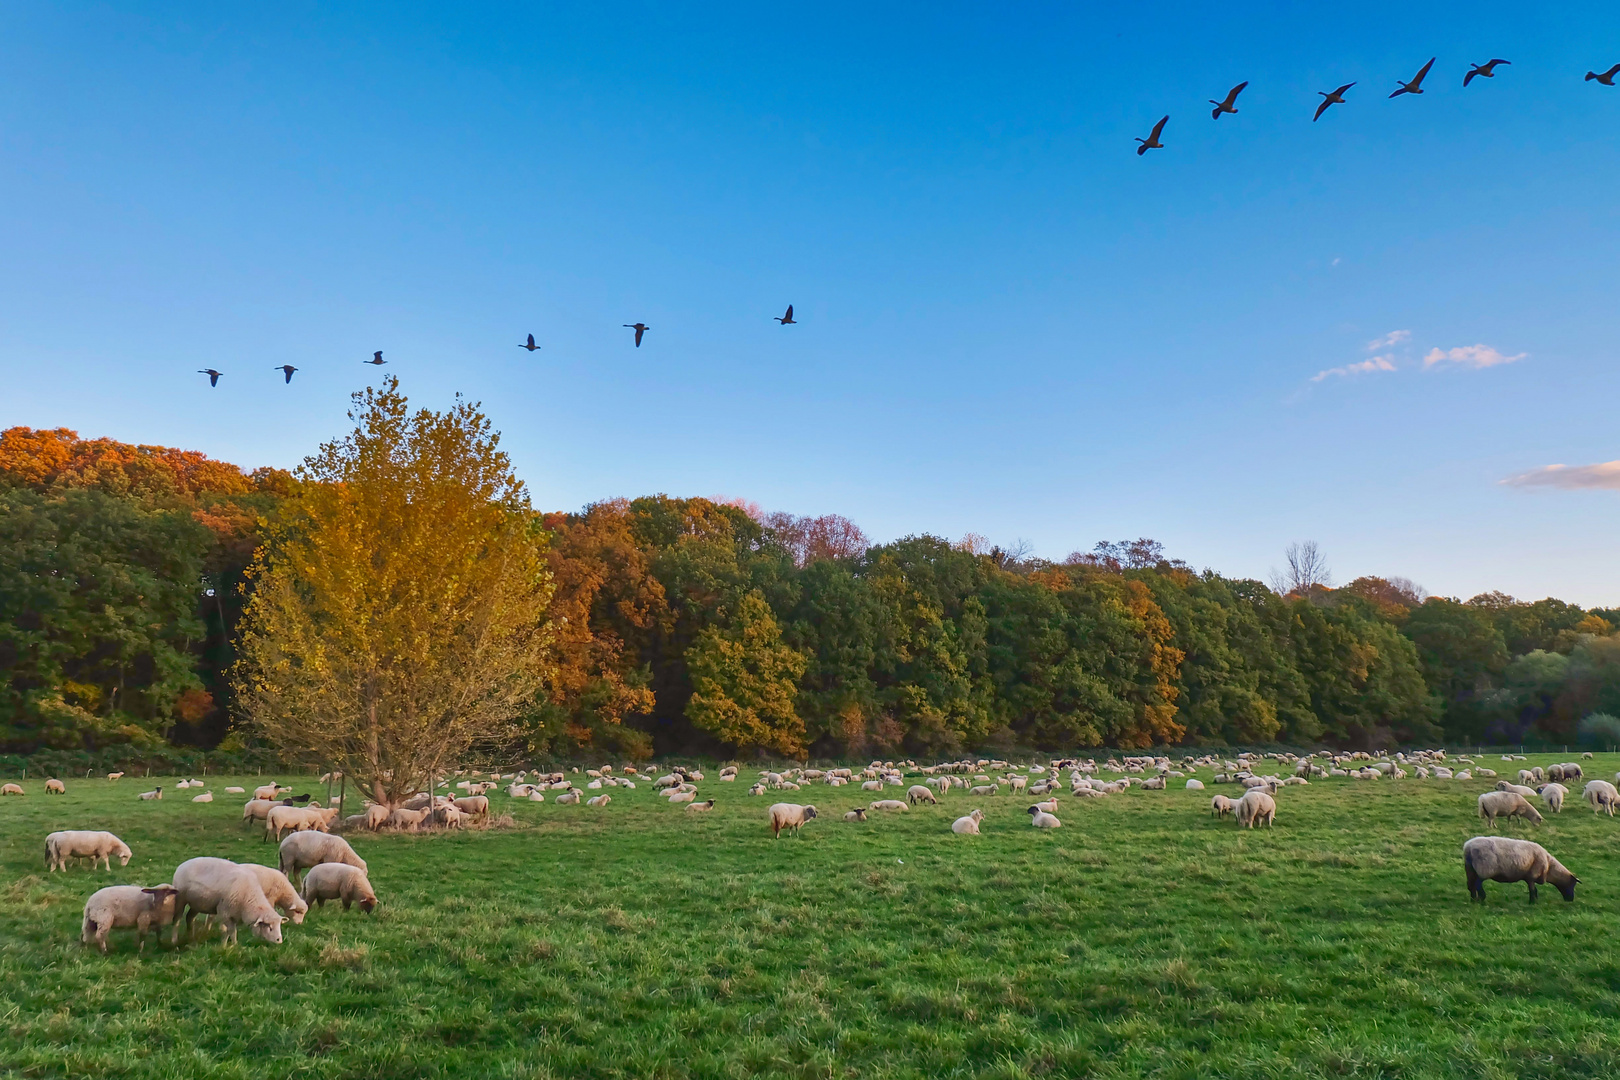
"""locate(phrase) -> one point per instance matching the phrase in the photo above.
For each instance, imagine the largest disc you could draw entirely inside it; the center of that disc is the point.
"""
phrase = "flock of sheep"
(265, 898)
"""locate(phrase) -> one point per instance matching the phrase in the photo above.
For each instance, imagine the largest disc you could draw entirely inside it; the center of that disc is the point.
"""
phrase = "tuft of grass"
(1142, 939)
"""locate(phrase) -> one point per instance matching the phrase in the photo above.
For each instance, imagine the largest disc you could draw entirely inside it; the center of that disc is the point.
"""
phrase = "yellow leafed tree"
(399, 609)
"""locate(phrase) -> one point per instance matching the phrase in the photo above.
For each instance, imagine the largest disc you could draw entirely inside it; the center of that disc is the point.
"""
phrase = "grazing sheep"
(12, 789)
(1042, 820)
(55, 787)
(1256, 806)
(969, 825)
(305, 849)
(1555, 773)
(1517, 789)
(857, 814)
(603, 800)
(1573, 771)
(1198, 785)
(1220, 806)
(1554, 795)
(234, 790)
(279, 891)
(1602, 796)
(231, 893)
(1500, 858)
(916, 793)
(1495, 804)
(80, 844)
(155, 793)
(337, 881)
(124, 906)
(790, 816)
(888, 804)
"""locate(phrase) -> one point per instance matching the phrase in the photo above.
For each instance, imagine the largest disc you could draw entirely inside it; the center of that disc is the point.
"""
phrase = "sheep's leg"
(1532, 886)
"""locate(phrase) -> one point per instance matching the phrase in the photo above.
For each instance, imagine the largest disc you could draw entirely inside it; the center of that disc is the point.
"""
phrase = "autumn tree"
(745, 680)
(399, 612)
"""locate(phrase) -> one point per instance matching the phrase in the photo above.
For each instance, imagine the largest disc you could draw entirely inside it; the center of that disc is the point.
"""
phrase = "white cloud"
(1604, 476)
(1390, 340)
(1474, 356)
(1365, 367)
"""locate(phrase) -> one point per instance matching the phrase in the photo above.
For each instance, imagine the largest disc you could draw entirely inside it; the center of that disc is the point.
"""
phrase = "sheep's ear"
(284, 919)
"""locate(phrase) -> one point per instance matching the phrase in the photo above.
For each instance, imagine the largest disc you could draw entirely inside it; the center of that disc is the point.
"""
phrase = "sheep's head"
(809, 812)
(368, 904)
(123, 853)
(268, 928)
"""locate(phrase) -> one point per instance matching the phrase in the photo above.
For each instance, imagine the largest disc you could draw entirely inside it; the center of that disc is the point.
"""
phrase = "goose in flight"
(531, 346)
(1416, 85)
(785, 320)
(285, 369)
(1229, 105)
(1152, 141)
(639, 328)
(213, 376)
(1486, 70)
(1606, 78)
(376, 358)
(1335, 98)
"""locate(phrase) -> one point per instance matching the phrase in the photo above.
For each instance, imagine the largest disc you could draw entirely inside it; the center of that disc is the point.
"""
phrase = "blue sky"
(1010, 323)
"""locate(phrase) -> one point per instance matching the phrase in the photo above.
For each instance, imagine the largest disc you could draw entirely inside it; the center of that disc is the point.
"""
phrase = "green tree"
(744, 681)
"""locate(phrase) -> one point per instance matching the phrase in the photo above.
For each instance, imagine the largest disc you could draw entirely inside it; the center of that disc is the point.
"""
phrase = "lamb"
(790, 816)
(1221, 805)
(115, 776)
(1602, 796)
(1256, 806)
(1500, 858)
(889, 804)
(968, 825)
(54, 786)
(297, 819)
(603, 800)
(230, 892)
(123, 906)
(450, 817)
(857, 814)
(1042, 820)
(337, 881)
(155, 793)
(1494, 804)
(306, 849)
(269, 791)
(917, 793)
(77, 844)
(1554, 795)
(409, 820)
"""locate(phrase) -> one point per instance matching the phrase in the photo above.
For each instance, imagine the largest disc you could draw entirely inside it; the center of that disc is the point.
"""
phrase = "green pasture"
(1143, 938)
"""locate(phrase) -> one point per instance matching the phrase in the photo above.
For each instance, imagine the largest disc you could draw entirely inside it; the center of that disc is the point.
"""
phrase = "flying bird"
(376, 358)
(639, 328)
(1335, 98)
(285, 369)
(213, 376)
(1228, 106)
(531, 346)
(1416, 85)
(785, 320)
(1607, 78)
(1486, 70)
(1152, 141)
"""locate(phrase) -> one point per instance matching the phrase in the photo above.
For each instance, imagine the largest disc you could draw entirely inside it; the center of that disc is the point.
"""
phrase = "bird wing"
(1340, 91)
(1493, 63)
(1322, 108)
(1236, 90)
(1159, 128)
(790, 311)
(1417, 80)
(531, 339)
(1613, 71)
(1468, 78)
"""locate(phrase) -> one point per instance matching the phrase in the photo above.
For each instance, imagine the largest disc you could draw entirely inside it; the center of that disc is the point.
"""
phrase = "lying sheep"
(207, 796)
(148, 796)
(678, 797)
(1256, 806)
(857, 814)
(1048, 807)
(984, 789)
(1220, 806)
(1554, 795)
(1602, 796)
(230, 893)
(1153, 783)
(305, 849)
(125, 906)
(537, 795)
(603, 800)
(567, 798)
(969, 825)
(790, 816)
(1495, 804)
(234, 790)
(888, 804)
(1042, 820)
(702, 807)
(917, 793)
(1500, 858)
(339, 881)
(1198, 785)
(79, 844)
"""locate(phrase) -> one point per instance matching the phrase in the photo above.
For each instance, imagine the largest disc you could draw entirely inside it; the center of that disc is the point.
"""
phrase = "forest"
(698, 626)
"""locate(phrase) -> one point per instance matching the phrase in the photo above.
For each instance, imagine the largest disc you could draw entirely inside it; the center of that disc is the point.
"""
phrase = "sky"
(1394, 331)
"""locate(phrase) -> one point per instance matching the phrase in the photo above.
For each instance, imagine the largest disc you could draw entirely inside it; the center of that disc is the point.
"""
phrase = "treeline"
(688, 626)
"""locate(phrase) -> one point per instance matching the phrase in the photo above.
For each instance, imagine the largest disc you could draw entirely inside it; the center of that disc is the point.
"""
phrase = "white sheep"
(887, 804)
(917, 793)
(1221, 805)
(281, 819)
(279, 891)
(968, 825)
(857, 814)
(83, 844)
(12, 789)
(339, 881)
(984, 789)
(125, 906)
(1198, 785)
(1500, 858)
(1517, 789)
(1602, 796)
(305, 849)
(1256, 806)
(269, 791)
(1554, 794)
(234, 791)
(1494, 804)
(603, 800)
(54, 786)
(1042, 820)
(115, 776)
(682, 797)
(790, 816)
(567, 798)
(207, 796)
(230, 893)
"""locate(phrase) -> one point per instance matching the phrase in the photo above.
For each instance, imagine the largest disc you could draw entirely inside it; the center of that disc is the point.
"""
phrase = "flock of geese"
(287, 370)
(1414, 85)
(1227, 105)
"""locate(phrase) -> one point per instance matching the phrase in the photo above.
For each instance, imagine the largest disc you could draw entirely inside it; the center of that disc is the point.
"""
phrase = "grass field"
(1141, 939)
